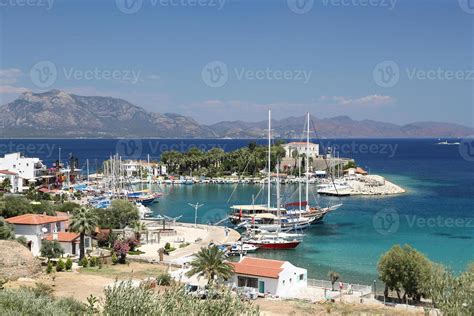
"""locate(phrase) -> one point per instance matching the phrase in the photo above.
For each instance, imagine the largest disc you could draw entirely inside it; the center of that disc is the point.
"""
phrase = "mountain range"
(56, 114)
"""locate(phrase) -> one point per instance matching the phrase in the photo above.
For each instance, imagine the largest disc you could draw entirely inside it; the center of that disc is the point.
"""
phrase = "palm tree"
(209, 263)
(84, 221)
(138, 228)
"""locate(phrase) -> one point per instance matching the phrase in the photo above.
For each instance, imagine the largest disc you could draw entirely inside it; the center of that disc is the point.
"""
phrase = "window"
(248, 282)
(301, 277)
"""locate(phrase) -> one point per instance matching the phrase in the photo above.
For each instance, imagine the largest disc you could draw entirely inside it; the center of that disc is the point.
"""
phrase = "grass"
(125, 271)
(135, 252)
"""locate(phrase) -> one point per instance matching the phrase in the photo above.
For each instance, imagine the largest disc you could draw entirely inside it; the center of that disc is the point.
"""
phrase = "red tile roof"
(259, 267)
(9, 173)
(35, 219)
(63, 236)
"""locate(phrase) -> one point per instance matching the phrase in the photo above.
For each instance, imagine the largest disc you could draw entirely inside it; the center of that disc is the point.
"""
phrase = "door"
(261, 286)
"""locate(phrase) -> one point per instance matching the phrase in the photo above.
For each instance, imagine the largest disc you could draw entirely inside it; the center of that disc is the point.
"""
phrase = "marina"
(329, 245)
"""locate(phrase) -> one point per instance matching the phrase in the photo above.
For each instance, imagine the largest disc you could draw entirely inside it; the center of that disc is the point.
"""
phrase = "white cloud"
(368, 100)
(12, 90)
(9, 76)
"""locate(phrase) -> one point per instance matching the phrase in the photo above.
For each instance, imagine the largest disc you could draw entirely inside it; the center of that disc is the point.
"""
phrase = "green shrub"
(185, 244)
(49, 267)
(60, 265)
(93, 261)
(84, 262)
(22, 240)
(167, 246)
(125, 299)
(26, 301)
(114, 258)
(68, 264)
(163, 279)
(42, 289)
(51, 249)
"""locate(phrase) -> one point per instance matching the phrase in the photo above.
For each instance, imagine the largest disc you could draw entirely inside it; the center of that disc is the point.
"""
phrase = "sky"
(397, 61)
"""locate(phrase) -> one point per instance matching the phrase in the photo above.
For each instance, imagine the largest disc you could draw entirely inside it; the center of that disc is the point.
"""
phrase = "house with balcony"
(28, 170)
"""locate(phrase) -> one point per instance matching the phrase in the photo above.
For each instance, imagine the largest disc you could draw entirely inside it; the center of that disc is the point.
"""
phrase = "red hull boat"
(275, 245)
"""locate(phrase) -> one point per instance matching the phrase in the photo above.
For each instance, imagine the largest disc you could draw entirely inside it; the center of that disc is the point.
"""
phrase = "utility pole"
(196, 206)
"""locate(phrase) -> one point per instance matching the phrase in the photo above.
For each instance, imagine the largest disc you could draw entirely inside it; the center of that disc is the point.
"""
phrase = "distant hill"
(341, 126)
(59, 114)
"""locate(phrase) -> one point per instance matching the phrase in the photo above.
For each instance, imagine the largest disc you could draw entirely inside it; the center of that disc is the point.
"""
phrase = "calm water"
(435, 216)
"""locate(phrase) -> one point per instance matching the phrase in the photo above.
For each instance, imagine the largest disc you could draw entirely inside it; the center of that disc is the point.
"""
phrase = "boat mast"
(269, 156)
(278, 196)
(307, 162)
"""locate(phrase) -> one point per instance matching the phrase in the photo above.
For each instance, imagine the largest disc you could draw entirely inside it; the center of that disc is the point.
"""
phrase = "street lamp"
(196, 206)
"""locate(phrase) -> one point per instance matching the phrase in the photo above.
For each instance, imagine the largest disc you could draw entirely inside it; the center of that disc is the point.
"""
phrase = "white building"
(28, 169)
(133, 167)
(16, 182)
(37, 227)
(278, 278)
(34, 227)
(300, 148)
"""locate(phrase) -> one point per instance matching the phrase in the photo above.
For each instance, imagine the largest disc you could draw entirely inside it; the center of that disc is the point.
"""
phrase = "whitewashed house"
(278, 278)
(37, 227)
(300, 148)
(16, 183)
(29, 170)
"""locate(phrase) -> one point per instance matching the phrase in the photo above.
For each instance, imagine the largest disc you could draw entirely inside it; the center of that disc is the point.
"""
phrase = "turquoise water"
(435, 215)
(438, 179)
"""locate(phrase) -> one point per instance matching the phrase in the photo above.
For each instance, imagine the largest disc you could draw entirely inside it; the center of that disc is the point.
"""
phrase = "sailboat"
(273, 240)
(314, 214)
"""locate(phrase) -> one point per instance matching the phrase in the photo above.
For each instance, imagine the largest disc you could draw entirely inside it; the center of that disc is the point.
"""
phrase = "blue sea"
(436, 215)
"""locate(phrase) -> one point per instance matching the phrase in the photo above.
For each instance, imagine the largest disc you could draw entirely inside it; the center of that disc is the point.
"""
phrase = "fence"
(359, 288)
